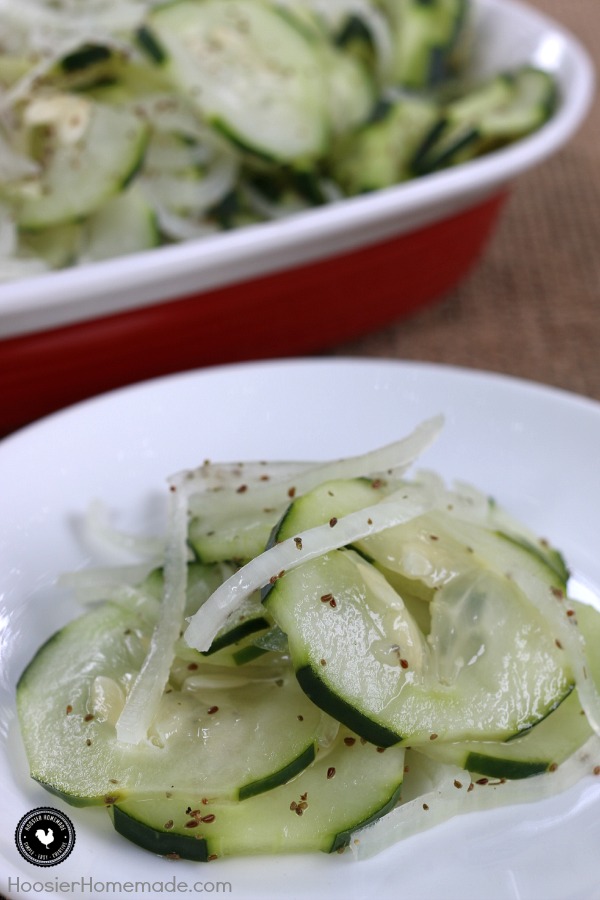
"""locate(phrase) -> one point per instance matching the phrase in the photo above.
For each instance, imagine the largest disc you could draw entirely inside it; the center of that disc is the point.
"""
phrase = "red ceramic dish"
(285, 288)
(302, 309)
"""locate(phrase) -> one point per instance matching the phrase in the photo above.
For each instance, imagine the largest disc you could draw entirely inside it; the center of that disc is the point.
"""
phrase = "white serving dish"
(120, 448)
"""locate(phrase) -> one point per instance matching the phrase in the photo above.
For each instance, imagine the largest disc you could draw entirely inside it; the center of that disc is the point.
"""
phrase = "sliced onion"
(90, 585)
(443, 799)
(234, 476)
(392, 459)
(144, 697)
(12, 269)
(270, 209)
(435, 793)
(290, 553)
(554, 608)
(98, 531)
(179, 227)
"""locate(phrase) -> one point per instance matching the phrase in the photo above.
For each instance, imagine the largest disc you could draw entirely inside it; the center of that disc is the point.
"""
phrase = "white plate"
(534, 448)
(509, 33)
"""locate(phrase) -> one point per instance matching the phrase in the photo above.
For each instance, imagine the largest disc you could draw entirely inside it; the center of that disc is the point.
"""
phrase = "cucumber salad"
(127, 124)
(315, 656)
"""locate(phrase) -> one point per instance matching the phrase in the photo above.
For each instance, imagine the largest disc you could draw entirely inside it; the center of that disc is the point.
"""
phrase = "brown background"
(531, 306)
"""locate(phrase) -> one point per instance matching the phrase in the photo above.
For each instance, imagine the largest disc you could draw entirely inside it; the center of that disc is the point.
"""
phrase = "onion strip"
(443, 801)
(397, 509)
(391, 459)
(145, 695)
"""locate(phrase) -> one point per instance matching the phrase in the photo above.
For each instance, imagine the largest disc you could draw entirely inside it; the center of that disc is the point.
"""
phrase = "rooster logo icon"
(43, 838)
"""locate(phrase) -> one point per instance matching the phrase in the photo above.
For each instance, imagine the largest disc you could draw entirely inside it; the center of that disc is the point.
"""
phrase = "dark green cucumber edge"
(71, 799)
(174, 845)
(532, 725)
(150, 44)
(250, 626)
(162, 843)
(86, 56)
(248, 654)
(552, 558)
(342, 839)
(282, 776)
(331, 703)
(504, 768)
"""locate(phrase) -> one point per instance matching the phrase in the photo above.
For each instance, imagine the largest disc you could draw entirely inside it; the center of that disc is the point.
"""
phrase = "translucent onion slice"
(451, 793)
(99, 533)
(433, 792)
(555, 609)
(180, 227)
(310, 544)
(391, 459)
(13, 269)
(237, 476)
(272, 209)
(91, 585)
(144, 697)
(178, 193)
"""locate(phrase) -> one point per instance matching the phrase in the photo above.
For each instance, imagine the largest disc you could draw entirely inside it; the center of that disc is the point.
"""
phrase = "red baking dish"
(298, 310)
(288, 287)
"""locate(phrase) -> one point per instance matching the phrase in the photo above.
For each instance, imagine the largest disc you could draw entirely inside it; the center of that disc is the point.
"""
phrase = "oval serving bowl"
(289, 287)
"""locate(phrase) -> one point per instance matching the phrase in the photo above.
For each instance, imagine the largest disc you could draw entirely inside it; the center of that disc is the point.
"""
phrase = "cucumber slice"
(239, 539)
(124, 224)
(533, 101)
(355, 37)
(87, 66)
(516, 531)
(249, 71)
(381, 153)
(542, 748)
(234, 644)
(455, 137)
(221, 742)
(249, 619)
(424, 555)
(58, 246)
(425, 34)
(489, 668)
(348, 786)
(201, 581)
(369, 666)
(240, 645)
(84, 57)
(87, 152)
(351, 89)
(328, 502)
(502, 110)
